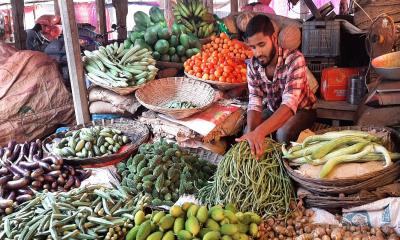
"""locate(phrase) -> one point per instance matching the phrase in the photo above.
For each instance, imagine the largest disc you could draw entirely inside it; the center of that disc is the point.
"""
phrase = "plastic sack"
(385, 212)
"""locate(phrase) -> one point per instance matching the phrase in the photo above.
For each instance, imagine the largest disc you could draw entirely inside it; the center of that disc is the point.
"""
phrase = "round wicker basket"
(328, 194)
(137, 132)
(157, 94)
(218, 85)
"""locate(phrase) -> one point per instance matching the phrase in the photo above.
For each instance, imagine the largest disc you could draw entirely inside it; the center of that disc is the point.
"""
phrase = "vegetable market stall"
(238, 196)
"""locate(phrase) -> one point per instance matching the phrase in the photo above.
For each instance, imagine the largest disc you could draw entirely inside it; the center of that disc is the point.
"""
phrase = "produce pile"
(181, 105)
(300, 226)
(86, 213)
(195, 18)
(221, 60)
(260, 186)
(25, 170)
(90, 142)
(192, 221)
(115, 66)
(333, 148)
(165, 172)
(175, 46)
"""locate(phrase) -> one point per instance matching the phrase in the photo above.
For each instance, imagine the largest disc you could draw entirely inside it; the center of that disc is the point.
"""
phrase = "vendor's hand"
(256, 141)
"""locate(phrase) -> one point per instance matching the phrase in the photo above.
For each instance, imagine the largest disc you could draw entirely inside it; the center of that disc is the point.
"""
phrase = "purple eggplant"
(24, 191)
(60, 180)
(25, 148)
(24, 198)
(44, 165)
(15, 153)
(19, 171)
(48, 178)
(7, 153)
(3, 171)
(5, 203)
(5, 179)
(77, 182)
(32, 150)
(55, 173)
(36, 184)
(70, 182)
(28, 165)
(11, 195)
(11, 144)
(39, 152)
(2, 151)
(55, 167)
(37, 173)
(17, 184)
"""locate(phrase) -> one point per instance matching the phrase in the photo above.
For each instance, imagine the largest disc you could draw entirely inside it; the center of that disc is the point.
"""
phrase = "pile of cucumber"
(115, 66)
(90, 142)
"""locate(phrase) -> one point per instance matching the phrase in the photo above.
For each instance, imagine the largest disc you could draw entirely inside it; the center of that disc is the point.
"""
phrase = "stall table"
(336, 111)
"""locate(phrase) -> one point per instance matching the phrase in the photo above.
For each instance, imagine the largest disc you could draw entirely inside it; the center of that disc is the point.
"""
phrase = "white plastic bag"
(377, 214)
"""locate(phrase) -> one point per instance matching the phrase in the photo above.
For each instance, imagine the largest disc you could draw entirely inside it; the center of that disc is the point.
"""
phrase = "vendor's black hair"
(259, 23)
(37, 27)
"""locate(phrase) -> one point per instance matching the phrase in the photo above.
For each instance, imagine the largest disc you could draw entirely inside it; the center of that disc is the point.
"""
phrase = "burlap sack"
(33, 99)
(6, 51)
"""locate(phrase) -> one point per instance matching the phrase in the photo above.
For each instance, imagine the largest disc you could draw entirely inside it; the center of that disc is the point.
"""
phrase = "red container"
(334, 82)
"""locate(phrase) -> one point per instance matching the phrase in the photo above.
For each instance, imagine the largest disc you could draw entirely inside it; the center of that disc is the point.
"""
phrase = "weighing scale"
(382, 104)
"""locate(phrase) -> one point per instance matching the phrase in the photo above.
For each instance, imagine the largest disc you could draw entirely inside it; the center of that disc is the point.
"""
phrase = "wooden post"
(56, 8)
(234, 6)
(75, 67)
(17, 8)
(210, 5)
(169, 16)
(121, 11)
(101, 16)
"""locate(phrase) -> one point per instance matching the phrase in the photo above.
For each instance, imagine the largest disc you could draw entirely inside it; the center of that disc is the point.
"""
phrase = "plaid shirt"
(289, 85)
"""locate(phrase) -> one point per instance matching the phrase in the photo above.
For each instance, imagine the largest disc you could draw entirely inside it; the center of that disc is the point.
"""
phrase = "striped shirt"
(289, 85)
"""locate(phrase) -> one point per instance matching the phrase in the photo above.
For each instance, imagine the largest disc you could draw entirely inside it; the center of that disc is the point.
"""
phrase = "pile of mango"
(192, 221)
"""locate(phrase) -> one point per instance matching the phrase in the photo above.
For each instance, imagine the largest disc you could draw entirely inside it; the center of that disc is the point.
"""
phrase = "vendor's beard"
(269, 59)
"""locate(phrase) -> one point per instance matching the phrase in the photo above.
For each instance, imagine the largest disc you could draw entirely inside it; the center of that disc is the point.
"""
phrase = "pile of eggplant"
(24, 169)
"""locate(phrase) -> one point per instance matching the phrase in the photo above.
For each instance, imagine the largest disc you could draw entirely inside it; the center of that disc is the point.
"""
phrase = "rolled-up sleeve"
(256, 94)
(295, 83)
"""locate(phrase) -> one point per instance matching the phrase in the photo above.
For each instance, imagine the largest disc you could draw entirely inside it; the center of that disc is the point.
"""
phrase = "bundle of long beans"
(92, 212)
(260, 186)
(333, 148)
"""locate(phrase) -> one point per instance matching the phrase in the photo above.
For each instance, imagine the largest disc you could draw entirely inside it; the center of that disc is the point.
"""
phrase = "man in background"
(34, 38)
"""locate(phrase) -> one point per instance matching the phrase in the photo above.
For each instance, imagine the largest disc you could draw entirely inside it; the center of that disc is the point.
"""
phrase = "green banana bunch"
(194, 16)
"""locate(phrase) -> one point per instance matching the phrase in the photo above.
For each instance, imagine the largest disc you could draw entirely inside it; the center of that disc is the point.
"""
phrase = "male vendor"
(280, 98)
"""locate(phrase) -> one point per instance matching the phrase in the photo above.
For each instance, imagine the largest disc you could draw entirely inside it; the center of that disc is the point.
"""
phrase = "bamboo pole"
(121, 10)
(75, 66)
(17, 9)
(101, 16)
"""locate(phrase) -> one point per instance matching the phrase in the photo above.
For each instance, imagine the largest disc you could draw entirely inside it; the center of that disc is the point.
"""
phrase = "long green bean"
(260, 186)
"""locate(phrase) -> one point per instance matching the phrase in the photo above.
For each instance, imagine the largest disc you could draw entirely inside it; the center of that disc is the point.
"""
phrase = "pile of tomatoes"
(221, 60)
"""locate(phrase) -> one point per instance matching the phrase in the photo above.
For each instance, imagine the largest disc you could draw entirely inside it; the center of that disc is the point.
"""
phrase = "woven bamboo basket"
(119, 90)
(325, 193)
(157, 94)
(218, 85)
(137, 132)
